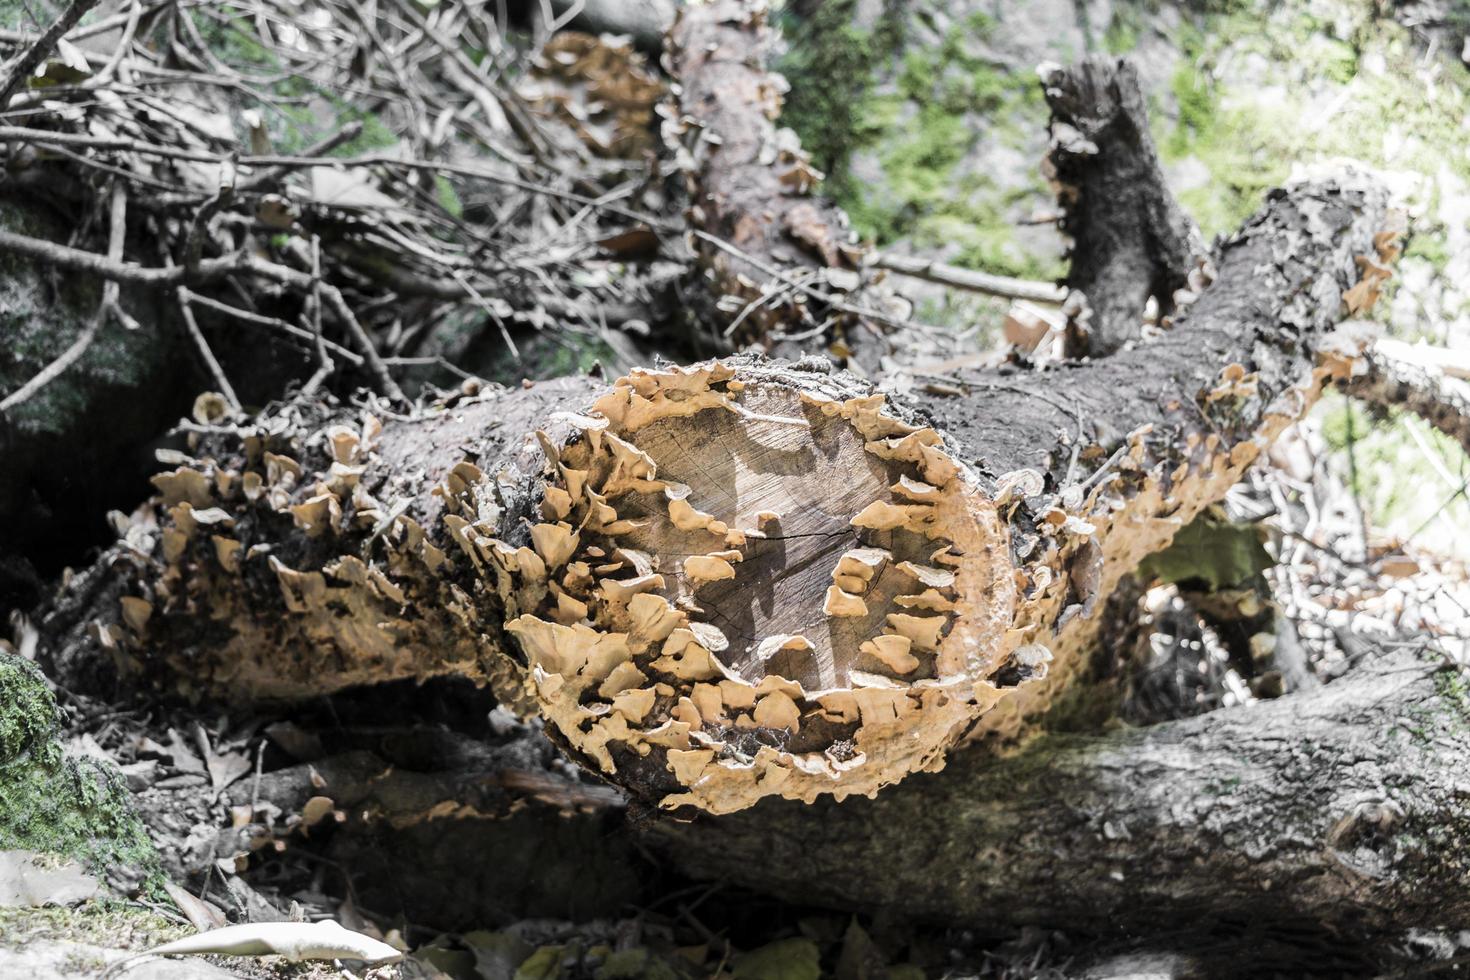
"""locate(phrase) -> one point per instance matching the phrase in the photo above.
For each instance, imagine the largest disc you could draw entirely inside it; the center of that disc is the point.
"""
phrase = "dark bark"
(1343, 807)
(1130, 239)
(1397, 383)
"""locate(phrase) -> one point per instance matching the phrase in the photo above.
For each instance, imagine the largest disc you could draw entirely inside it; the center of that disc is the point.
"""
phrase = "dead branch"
(1130, 239)
(20, 70)
(1321, 810)
(972, 280)
(1414, 379)
(750, 186)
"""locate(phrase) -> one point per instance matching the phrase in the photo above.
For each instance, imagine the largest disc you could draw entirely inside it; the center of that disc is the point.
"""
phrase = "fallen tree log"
(1341, 809)
(732, 580)
(778, 258)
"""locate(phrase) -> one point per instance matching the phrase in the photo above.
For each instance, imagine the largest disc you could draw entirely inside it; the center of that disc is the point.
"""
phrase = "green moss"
(1247, 136)
(1454, 691)
(48, 803)
(40, 319)
(920, 116)
(831, 117)
(111, 923)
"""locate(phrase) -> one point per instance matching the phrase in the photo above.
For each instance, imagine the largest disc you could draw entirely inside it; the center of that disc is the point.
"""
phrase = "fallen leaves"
(296, 941)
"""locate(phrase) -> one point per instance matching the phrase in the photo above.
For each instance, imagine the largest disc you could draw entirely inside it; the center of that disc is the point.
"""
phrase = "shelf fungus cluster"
(745, 584)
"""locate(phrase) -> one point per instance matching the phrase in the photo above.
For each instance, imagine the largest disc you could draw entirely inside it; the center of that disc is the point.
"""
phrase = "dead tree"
(1131, 242)
(741, 578)
(749, 579)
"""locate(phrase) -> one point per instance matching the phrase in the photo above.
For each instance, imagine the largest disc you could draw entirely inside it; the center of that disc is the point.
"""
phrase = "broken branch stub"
(754, 582)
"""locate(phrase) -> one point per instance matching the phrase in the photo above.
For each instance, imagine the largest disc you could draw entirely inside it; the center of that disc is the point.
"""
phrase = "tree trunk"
(1341, 808)
(1131, 242)
(724, 582)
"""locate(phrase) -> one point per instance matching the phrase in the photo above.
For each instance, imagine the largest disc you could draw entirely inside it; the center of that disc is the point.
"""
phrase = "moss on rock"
(78, 808)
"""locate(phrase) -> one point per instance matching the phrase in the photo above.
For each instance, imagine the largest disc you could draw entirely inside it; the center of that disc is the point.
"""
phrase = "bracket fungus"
(754, 582)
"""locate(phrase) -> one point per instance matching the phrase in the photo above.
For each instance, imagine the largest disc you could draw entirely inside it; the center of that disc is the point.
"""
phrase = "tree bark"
(757, 229)
(1130, 239)
(1342, 807)
(1395, 379)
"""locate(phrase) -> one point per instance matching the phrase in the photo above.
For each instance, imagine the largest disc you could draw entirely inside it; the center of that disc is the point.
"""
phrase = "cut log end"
(759, 584)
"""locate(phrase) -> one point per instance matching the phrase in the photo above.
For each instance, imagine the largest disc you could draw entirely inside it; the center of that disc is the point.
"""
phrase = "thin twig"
(205, 354)
(837, 304)
(22, 67)
(256, 319)
(124, 46)
(325, 367)
(117, 232)
(970, 279)
(49, 137)
(79, 260)
(360, 336)
(199, 227)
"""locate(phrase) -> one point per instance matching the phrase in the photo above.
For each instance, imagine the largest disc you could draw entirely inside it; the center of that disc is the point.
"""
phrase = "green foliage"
(920, 115)
(48, 803)
(1123, 30)
(837, 60)
(1247, 133)
(448, 198)
(1210, 550)
(1399, 479)
(318, 114)
(788, 959)
(1229, 141)
(300, 112)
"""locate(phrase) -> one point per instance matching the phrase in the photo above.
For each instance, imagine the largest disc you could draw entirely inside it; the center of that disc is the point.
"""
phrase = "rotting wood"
(1419, 380)
(1329, 811)
(538, 539)
(750, 182)
(1131, 242)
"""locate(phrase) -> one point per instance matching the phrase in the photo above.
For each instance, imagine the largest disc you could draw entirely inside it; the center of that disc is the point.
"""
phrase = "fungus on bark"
(765, 582)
